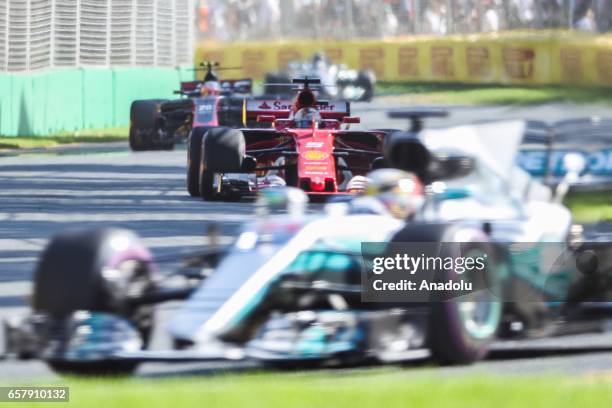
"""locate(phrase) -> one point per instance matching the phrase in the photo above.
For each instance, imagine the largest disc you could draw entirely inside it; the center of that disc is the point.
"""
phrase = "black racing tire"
(194, 158)
(365, 80)
(223, 151)
(167, 145)
(70, 278)
(144, 127)
(208, 192)
(450, 340)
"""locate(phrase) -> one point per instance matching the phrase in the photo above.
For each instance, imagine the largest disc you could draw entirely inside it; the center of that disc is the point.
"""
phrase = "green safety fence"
(52, 102)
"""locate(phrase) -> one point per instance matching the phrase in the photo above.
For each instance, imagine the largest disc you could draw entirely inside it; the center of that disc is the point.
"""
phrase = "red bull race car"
(158, 124)
(305, 143)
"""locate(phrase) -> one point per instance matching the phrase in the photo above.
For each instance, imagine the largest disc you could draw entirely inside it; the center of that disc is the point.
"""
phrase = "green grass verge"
(466, 94)
(591, 207)
(85, 136)
(368, 388)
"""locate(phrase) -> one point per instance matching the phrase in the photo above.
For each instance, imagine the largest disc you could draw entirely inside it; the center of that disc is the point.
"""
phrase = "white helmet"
(357, 185)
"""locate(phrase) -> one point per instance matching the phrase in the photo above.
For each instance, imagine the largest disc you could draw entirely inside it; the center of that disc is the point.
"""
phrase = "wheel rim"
(480, 312)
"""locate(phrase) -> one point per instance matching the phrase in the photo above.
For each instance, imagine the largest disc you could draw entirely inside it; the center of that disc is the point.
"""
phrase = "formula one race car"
(157, 124)
(339, 82)
(294, 288)
(304, 146)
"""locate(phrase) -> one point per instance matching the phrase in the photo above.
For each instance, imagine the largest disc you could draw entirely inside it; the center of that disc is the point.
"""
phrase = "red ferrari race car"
(158, 124)
(307, 144)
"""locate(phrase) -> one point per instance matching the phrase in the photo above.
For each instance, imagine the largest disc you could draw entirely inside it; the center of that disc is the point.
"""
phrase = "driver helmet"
(210, 88)
(305, 117)
(400, 192)
(357, 185)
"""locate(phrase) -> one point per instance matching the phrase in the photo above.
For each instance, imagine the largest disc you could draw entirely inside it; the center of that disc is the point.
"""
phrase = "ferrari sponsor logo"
(286, 106)
(314, 145)
(315, 155)
(327, 108)
(519, 63)
(315, 170)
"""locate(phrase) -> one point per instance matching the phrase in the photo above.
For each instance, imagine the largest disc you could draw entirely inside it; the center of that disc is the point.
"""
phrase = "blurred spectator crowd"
(230, 20)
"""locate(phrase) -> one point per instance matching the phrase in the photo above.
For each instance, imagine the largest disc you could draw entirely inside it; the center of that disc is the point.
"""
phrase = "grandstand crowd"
(266, 19)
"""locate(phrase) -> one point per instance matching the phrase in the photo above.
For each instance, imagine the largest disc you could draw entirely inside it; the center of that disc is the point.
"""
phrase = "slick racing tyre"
(223, 151)
(366, 81)
(460, 331)
(94, 271)
(194, 157)
(145, 127)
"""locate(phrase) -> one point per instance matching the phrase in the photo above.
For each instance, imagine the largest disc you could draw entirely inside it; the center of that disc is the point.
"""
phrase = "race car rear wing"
(545, 146)
(241, 86)
(281, 109)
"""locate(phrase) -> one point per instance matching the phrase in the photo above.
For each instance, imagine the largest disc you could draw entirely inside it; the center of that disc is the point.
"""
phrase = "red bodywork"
(317, 159)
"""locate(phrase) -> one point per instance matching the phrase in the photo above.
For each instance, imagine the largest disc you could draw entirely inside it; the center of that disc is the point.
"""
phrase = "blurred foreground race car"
(157, 124)
(304, 146)
(294, 288)
(339, 82)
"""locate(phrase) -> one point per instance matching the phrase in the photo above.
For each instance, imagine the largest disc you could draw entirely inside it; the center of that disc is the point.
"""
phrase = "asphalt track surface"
(107, 185)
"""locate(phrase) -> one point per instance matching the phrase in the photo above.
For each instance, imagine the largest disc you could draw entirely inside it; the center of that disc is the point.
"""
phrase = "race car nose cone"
(316, 184)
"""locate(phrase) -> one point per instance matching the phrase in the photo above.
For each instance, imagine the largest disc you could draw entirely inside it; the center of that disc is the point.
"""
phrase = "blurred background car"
(337, 80)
